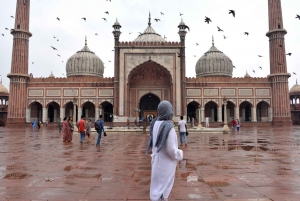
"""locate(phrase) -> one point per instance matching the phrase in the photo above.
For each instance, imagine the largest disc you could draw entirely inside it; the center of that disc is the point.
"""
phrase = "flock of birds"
(206, 20)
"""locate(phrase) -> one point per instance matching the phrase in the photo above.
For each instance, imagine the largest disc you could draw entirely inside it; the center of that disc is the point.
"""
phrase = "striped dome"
(85, 63)
(214, 63)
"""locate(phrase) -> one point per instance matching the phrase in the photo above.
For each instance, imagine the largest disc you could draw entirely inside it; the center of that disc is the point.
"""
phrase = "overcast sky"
(251, 16)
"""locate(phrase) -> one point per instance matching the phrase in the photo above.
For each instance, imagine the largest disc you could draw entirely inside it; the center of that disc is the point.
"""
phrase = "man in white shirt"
(182, 131)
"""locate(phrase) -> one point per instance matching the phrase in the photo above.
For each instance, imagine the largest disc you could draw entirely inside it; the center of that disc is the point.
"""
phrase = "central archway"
(148, 105)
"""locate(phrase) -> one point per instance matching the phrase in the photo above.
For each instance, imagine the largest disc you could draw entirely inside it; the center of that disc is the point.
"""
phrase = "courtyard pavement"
(257, 164)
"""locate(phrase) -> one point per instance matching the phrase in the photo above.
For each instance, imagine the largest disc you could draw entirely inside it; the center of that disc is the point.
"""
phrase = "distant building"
(3, 104)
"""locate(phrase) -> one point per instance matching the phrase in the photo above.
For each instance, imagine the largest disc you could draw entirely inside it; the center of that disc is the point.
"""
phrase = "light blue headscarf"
(165, 114)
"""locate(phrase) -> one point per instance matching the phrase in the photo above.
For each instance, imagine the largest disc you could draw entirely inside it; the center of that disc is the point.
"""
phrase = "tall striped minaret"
(19, 66)
(278, 67)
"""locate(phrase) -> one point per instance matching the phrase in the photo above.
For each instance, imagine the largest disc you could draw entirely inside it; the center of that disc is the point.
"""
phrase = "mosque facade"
(147, 71)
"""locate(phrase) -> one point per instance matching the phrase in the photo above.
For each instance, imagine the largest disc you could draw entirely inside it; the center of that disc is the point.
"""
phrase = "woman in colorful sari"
(65, 129)
(71, 129)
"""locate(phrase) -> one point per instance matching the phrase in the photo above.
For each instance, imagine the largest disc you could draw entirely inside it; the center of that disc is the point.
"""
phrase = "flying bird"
(280, 45)
(219, 29)
(162, 13)
(104, 19)
(194, 55)
(260, 67)
(165, 37)
(294, 73)
(84, 18)
(232, 12)
(113, 50)
(12, 16)
(260, 56)
(53, 48)
(2, 34)
(180, 14)
(140, 33)
(157, 19)
(233, 66)
(197, 44)
(58, 55)
(253, 71)
(130, 32)
(246, 33)
(54, 37)
(96, 34)
(290, 54)
(58, 18)
(207, 20)
(57, 40)
(108, 0)
(106, 12)
(179, 55)
(225, 37)
(32, 62)
(109, 61)
(298, 16)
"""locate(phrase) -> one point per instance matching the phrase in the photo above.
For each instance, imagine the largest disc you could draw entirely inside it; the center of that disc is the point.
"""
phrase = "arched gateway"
(148, 84)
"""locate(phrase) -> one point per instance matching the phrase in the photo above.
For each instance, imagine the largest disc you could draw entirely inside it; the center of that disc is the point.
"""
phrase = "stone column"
(79, 113)
(236, 113)
(225, 127)
(220, 114)
(202, 115)
(45, 114)
(253, 114)
(270, 114)
(62, 113)
(28, 115)
(97, 113)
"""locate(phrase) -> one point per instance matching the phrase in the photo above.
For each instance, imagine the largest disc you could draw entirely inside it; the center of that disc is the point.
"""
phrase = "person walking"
(182, 131)
(81, 128)
(99, 126)
(65, 129)
(233, 124)
(59, 124)
(88, 129)
(70, 130)
(193, 122)
(165, 152)
(33, 124)
(238, 125)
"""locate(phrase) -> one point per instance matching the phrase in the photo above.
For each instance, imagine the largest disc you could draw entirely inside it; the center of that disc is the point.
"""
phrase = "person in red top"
(233, 124)
(81, 128)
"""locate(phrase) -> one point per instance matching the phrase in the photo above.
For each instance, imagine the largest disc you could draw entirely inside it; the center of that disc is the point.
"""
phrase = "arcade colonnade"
(52, 112)
(245, 111)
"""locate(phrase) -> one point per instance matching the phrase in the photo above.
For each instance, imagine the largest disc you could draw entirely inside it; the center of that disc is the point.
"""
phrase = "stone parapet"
(147, 44)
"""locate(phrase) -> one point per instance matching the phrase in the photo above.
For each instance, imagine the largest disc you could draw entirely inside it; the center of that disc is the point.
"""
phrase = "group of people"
(35, 124)
(84, 128)
(235, 124)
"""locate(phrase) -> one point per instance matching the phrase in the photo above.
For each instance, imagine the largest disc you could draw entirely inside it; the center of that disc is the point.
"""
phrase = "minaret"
(278, 67)
(116, 34)
(182, 33)
(19, 66)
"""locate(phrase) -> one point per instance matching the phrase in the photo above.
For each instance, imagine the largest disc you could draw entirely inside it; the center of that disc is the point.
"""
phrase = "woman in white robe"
(165, 153)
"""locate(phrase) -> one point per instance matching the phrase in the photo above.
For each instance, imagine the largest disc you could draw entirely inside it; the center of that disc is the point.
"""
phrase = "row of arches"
(244, 111)
(53, 112)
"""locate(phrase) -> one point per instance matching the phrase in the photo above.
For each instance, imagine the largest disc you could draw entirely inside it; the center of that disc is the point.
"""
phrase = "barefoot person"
(165, 152)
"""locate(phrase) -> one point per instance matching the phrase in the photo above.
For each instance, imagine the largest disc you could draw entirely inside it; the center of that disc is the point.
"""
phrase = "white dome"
(3, 89)
(295, 90)
(214, 63)
(85, 63)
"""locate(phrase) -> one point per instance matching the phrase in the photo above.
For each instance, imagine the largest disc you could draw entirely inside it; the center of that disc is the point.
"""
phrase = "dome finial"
(85, 41)
(149, 23)
(213, 41)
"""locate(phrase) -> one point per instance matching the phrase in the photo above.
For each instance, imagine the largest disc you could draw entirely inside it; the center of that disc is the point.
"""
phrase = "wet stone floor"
(257, 164)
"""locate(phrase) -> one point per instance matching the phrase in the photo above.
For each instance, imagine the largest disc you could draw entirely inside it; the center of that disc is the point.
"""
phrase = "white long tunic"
(164, 164)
